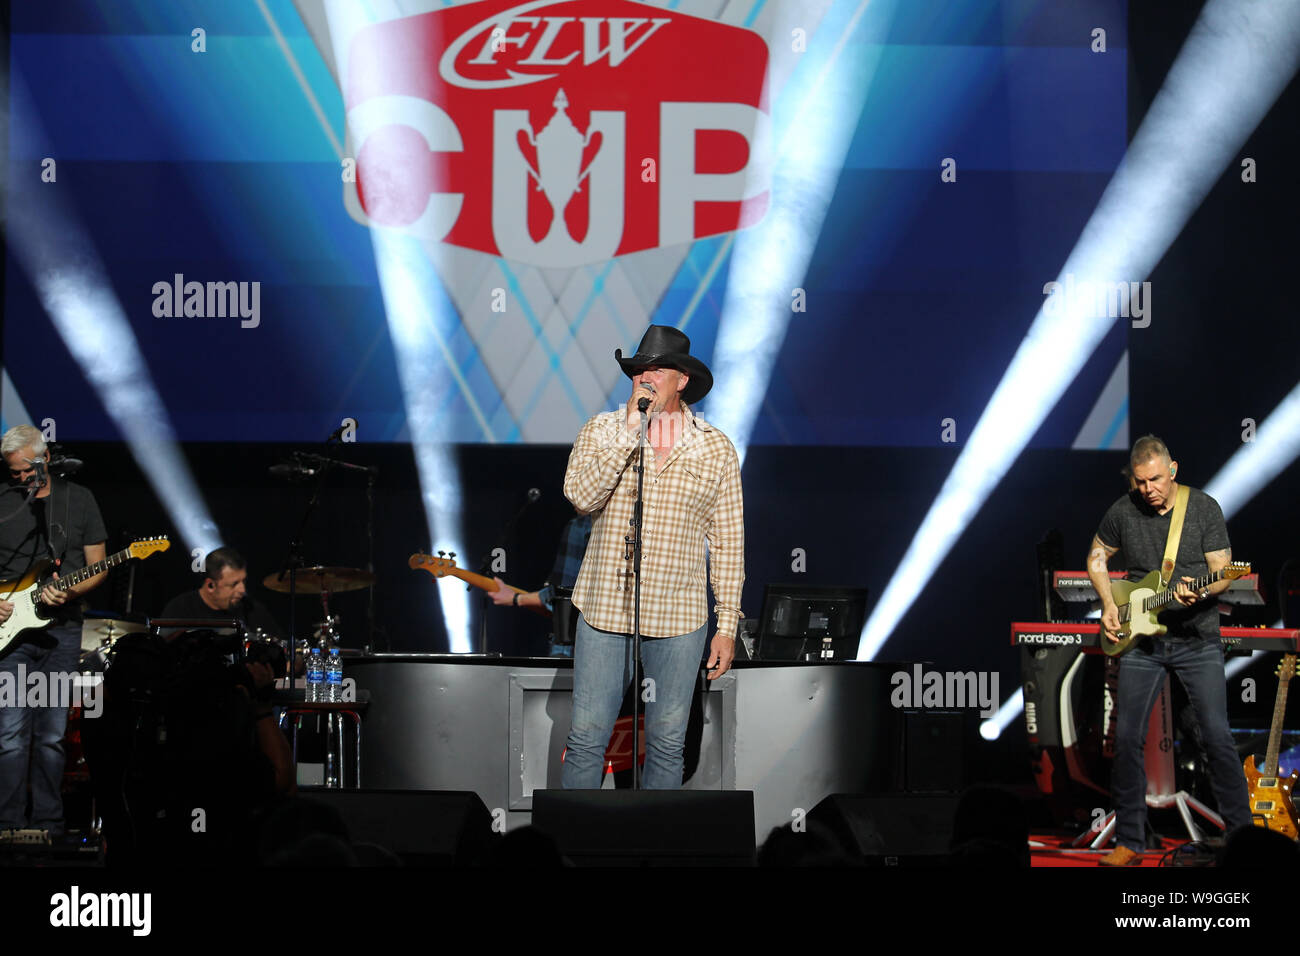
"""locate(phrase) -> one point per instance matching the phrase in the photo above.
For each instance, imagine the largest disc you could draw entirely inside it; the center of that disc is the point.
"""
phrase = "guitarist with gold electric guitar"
(1175, 549)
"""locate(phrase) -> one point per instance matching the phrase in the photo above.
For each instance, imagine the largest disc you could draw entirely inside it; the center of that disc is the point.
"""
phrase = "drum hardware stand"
(308, 464)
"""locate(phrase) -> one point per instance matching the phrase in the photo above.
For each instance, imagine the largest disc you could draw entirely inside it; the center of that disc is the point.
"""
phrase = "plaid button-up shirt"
(693, 499)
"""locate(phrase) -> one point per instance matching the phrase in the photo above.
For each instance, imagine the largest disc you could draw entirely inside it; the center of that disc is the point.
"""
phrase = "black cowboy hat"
(670, 348)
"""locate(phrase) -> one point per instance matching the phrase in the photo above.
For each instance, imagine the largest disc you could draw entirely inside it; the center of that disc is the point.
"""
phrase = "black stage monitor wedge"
(422, 827)
(649, 827)
(801, 622)
(890, 829)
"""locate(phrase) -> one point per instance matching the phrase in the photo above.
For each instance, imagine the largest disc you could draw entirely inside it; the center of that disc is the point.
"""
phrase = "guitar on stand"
(1271, 803)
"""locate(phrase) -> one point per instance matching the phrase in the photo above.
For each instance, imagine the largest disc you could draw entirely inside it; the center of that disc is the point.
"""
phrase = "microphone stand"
(292, 563)
(295, 561)
(637, 513)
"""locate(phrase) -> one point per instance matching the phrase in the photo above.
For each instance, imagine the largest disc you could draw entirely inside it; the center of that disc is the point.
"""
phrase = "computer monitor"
(805, 622)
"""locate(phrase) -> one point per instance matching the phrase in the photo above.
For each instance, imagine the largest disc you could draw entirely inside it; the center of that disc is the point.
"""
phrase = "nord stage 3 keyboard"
(1088, 634)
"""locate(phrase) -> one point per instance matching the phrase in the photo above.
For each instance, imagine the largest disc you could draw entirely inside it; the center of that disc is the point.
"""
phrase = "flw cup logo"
(559, 133)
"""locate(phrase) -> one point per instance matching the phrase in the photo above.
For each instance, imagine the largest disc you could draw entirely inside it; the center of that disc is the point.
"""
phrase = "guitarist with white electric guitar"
(1164, 619)
(41, 519)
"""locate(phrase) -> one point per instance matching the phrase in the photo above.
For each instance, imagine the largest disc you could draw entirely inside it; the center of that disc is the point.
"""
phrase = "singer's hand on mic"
(644, 391)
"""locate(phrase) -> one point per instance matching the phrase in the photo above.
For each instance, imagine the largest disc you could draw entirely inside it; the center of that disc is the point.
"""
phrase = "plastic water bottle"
(334, 676)
(315, 676)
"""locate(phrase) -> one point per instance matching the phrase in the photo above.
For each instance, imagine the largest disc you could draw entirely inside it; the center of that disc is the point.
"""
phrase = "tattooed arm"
(1099, 575)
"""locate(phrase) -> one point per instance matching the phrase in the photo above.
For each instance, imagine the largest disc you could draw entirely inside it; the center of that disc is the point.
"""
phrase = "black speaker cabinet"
(423, 827)
(933, 761)
(890, 829)
(649, 827)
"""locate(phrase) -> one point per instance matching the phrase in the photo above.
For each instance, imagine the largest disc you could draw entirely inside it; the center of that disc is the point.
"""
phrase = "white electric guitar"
(25, 593)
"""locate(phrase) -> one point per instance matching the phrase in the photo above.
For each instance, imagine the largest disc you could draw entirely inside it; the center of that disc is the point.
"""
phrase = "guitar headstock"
(147, 546)
(1286, 668)
(1238, 569)
(439, 566)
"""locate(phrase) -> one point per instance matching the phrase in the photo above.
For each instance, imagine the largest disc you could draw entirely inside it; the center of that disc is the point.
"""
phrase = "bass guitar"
(1140, 603)
(442, 566)
(1271, 805)
(30, 613)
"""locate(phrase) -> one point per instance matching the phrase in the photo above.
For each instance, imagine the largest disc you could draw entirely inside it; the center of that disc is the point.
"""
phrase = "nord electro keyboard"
(1088, 634)
(1075, 588)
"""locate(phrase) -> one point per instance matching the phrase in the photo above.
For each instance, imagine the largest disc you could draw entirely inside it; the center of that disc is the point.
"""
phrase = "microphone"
(643, 405)
(533, 494)
(291, 472)
(63, 465)
(40, 479)
(338, 433)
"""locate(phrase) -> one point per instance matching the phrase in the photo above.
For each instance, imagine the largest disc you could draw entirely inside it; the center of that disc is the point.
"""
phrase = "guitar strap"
(1175, 535)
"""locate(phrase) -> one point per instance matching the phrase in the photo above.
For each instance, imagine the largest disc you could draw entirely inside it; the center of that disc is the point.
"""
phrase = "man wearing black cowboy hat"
(692, 497)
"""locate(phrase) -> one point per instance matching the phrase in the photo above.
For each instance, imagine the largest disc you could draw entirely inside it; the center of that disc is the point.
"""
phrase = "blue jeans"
(31, 738)
(1199, 665)
(602, 669)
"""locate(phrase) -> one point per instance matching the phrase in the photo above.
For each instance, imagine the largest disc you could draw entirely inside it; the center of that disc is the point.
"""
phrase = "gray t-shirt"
(1140, 534)
(68, 516)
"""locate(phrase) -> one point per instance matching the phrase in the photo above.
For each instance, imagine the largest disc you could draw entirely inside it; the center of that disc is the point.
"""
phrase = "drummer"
(568, 560)
(222, 594)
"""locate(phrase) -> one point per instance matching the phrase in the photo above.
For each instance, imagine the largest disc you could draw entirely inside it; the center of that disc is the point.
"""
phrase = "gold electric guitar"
(1271, 806)
(29, 613)
(1140, 603)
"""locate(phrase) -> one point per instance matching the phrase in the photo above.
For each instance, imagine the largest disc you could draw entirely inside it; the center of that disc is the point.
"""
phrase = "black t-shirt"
(68, 516)
(250, 611)
(1140, 534)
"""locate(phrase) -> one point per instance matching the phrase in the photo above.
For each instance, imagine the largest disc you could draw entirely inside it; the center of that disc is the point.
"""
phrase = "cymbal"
(318, 579)
(96, 633)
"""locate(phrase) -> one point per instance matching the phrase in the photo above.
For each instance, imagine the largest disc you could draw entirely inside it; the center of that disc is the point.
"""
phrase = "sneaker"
(1121, 856)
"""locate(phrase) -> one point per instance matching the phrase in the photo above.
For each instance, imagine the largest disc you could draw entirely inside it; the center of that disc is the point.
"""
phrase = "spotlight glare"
(770, 260)
(1235, 62)
(66, 271)
(418, 311)
(1276, 444)
(1011, 708)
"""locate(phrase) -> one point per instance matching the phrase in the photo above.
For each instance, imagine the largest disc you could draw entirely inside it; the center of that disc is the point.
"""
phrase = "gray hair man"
(49, 527)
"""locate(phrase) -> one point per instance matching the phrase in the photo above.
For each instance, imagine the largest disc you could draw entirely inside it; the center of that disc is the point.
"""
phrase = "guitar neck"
(90, 570)
(439, 567)
(478, 580)
(1279, 711)
(1167, 595)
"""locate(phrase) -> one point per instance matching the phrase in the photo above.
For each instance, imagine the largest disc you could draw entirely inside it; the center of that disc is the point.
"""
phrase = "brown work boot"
(1121, 856)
